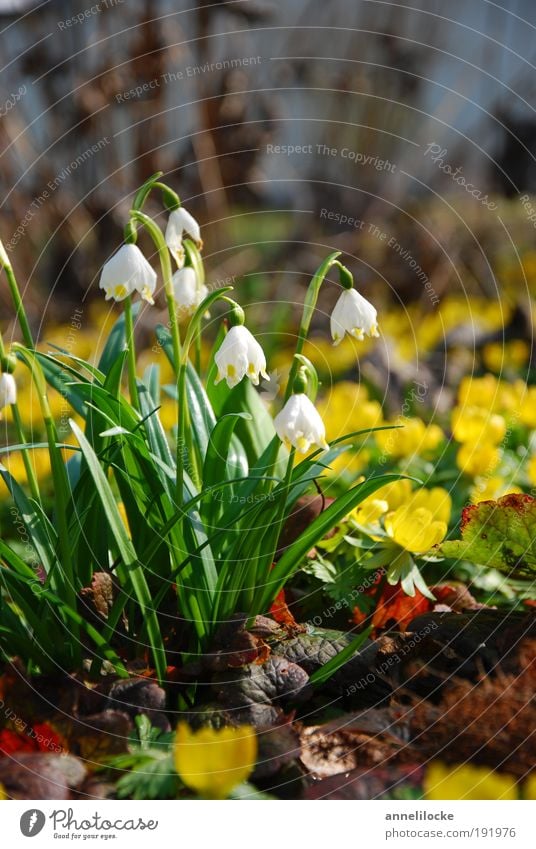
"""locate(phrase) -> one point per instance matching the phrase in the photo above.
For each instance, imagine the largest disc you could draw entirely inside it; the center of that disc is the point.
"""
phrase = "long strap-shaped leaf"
(293, 556)
(131, 572)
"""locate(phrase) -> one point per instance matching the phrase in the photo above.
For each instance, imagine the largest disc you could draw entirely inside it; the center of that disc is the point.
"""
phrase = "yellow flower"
(412, 436)
(349, 464)
(470, 424)
(3, 794)
(442, 782)
(477, 459)
(124, 518)
(421, 522)
(347, 409)
(529, 787)
(491, 488)
(328, 360)
(370, 511)
(479, 392)
(211, 762)
(527, 409)
(15, 464)
(531, 470)
(509, 355)
(415, 530)
(396, 494)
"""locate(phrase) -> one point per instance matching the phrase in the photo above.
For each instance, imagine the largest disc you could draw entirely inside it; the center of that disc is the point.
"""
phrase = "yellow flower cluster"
(415, 520)
(410, 438)
(486, 409)
(346, 409)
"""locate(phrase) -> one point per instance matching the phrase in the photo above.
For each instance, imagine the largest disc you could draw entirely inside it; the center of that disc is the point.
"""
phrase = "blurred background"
(402, 134)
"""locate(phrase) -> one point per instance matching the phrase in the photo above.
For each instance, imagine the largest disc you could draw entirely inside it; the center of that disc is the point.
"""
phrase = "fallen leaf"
(499, 534)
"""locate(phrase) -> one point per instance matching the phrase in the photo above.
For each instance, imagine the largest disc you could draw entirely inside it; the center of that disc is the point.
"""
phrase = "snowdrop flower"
(180, 222)
(8, 390)
(299, 424)
(353, 314)
(188, 293)
(127, 272)
(240, 354)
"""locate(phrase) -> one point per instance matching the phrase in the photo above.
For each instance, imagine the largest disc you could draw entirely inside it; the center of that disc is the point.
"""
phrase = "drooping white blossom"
(355, 315)
(240, 354)
(299, 424)
(127, 272)
(188, 292)
(181, 223)
(8, 390)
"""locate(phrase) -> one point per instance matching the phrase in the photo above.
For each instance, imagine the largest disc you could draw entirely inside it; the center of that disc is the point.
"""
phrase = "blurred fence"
(352, 107)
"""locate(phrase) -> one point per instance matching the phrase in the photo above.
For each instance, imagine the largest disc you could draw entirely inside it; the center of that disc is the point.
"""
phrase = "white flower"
(188, 293)
(126, 272)
(353, 314)
(240, 354)
(8, 390)
(180, 222)
(300, 425)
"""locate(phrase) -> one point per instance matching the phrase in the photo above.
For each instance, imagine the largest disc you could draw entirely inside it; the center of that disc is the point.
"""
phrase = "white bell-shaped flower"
(355, 315)
(127, 272)
(8, 390)
(299, 424)
(240, 354)
(188, 293)
(181, 223)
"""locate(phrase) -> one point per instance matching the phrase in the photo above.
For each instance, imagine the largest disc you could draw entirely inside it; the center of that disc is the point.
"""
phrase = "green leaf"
(216, 466)
(500, 534)
(131, 572)
(42, 534)
(293, 556)
(116, 341)
(257, 432)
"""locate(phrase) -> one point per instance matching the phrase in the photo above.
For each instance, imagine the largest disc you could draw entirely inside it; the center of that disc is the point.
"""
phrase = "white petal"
(8, 390)
(355, 315)
(181, 223)
(300, 424)
(126, 272)
(186, 290)
(240, 351)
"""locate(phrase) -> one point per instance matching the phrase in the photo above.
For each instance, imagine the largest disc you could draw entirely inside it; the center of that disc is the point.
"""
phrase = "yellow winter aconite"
(478, 458)
(488, 488)
(527, 408)
(506, 356)
(444, 782)
(412, 436)
(531, 470)
(472, 424)
(213, 761)
(347, 408)
(421, 522)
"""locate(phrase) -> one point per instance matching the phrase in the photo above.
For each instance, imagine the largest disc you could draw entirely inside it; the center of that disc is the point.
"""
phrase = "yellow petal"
(443, 782)
(213, 761)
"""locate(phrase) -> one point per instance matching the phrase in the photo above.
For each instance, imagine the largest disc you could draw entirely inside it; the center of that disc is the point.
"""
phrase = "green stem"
(19, 430)
(309, 307)
(182, 414)
(20, 312)
(129, 332)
